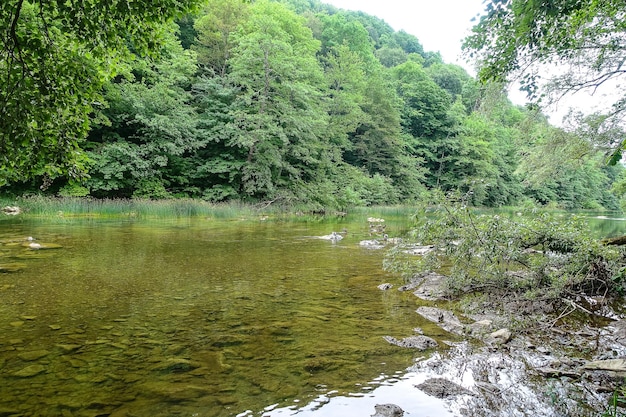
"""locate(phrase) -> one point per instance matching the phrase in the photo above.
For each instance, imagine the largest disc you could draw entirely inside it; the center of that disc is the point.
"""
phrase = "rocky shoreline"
(506, 366)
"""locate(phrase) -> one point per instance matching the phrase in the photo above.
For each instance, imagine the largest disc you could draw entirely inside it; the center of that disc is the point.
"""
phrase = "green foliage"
(146, 127)
(278, 119)
(521, 39)
(73, 190)
(425, 103)
(526, 253)
(215, 29)
(54, 58)
(285, 102)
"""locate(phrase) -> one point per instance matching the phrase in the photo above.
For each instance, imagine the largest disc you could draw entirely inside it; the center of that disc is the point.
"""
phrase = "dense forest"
(296, 102)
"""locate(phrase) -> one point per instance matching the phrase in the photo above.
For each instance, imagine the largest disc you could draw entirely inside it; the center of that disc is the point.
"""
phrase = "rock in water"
(30, 371)
(388, 410)
(442, 388)
(413, 342)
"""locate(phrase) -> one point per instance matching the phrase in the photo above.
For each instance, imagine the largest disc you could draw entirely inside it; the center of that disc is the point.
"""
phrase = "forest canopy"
(290, 102)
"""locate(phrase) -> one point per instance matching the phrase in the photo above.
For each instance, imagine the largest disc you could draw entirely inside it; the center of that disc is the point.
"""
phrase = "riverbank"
(523, 358)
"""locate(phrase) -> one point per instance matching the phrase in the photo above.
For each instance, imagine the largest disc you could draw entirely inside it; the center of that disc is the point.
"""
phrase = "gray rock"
(388, 410)
(409, 287)
(615, 365)
(557, 373)
(413, 342)
(371, 244)
(385, 286)
(444, 319)
(431, 287)
(499, 337)
(442, 388)
(479, 327)
(11, 210)
(419, 250)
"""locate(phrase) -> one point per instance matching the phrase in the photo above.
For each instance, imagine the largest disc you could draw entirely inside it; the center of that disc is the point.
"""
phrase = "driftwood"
(619, 240)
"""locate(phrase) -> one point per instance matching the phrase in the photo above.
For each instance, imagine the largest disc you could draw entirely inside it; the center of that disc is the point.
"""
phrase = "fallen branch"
(619, 240)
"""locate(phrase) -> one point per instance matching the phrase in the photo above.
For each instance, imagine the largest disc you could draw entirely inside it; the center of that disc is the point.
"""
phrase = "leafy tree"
(216, 167)
(149, 125)
(391, 56)
(409, 43)
(425, 103)
(375, 27)
(278, 120)
(345, 75)
(54, 57)
(339, 29)
(523, 39)
(377, 144)
(215, 29)
(452, 78)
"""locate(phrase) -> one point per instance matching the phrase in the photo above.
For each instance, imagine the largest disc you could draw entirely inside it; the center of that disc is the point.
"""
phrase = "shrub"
(526, 252)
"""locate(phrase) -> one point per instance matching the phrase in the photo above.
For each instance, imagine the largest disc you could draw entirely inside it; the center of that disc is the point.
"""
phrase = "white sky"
(440, 25)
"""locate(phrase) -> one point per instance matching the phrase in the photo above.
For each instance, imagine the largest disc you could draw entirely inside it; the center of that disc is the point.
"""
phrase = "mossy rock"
(12, 267)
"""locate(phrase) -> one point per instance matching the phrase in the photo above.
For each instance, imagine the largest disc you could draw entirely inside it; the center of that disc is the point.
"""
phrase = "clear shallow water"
(196, 318)
(205, 318)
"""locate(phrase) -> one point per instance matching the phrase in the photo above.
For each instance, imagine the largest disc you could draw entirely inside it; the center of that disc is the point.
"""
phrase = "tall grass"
(81, 207)
(131, 208)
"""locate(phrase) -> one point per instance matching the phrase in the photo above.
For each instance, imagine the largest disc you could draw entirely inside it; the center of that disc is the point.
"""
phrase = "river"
(194, 317)
(203, 317)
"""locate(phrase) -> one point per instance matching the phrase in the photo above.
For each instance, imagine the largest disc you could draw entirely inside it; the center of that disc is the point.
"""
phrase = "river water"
(203, 317)
(198, 317)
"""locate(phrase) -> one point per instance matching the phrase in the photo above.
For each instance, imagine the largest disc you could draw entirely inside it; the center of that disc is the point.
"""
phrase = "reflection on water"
(197, 317)
(607, 225)
(399, 389)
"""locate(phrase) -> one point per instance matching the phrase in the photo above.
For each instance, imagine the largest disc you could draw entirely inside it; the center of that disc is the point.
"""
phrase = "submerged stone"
(443, 318)
(172, 392)
(68, 347)
(175, 365)
(12, 267)
(33, 355)
(30, 371)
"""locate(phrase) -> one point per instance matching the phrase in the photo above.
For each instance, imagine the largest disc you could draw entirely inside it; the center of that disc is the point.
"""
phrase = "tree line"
(294, 102)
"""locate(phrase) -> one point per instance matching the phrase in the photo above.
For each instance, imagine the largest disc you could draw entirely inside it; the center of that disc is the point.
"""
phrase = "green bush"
(531, 252)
